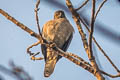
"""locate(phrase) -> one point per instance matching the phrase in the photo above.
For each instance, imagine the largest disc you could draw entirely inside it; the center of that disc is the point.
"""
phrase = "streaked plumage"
(59, 31)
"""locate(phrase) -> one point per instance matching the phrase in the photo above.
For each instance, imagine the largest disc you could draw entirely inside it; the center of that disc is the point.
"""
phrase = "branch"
(112, 76)
(99, 8)
(36, 16)
(92, 29)
(22, 26)
(82, 5)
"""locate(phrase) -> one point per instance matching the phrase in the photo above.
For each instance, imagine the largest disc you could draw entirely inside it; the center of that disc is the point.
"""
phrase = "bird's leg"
(34, 54)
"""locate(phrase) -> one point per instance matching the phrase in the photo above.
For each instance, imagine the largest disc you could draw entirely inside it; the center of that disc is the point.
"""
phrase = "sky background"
(14, 41)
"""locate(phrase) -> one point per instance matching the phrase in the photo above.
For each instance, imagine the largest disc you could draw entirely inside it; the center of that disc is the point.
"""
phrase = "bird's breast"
(57, 31)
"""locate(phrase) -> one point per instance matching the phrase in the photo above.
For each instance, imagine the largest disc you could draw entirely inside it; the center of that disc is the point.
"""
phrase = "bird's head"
(59, 14)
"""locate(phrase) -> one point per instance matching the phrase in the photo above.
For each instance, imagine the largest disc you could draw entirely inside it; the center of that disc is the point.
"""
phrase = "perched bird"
(60, 32)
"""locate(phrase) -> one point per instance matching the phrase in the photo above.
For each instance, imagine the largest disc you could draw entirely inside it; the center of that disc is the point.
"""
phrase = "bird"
(58, 31)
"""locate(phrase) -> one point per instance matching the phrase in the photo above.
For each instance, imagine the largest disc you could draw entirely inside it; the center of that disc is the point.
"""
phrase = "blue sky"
(14, 41)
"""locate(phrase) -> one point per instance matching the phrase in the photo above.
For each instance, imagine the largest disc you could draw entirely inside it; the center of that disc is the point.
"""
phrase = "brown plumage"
(60, 32)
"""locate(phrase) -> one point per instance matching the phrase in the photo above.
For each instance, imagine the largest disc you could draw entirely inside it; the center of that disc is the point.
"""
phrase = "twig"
(99, 8)
(36, 16)
(112, 76)
(82, 5)
(28, 49)
(22, 26)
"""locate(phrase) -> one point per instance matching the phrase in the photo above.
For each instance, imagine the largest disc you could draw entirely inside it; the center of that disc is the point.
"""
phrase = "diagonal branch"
(22, 26)
(99, 8)
(82, 5)
(112, 76)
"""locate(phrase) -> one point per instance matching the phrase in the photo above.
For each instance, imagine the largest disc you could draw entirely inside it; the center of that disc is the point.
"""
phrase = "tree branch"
(99, 8)
(82, 5)
(36, 16)
(22, 26)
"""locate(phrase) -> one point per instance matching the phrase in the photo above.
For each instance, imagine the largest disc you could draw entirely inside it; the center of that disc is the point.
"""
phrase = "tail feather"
(50, 63)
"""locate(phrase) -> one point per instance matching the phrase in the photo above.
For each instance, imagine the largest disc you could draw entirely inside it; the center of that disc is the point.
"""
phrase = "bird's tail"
(51, 60)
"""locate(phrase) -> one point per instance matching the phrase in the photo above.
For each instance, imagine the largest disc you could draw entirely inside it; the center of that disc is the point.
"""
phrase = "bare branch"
(28, 49)
(82, 5)
(22, 26)
(112, 76)
(36, 16)
(99, 8)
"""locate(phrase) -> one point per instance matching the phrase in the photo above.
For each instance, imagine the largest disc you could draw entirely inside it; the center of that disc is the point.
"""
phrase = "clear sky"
(14, 41)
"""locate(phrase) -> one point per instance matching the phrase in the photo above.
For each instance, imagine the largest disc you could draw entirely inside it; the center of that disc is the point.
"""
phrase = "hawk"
(60, 32)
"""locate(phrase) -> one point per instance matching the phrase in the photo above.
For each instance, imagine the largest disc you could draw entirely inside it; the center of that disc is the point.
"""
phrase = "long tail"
(51, 60)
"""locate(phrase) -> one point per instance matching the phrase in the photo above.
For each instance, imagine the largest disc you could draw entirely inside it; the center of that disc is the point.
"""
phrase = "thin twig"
(82, 5)
(92, 28)
(36, 16)
(28, 49)
(99, 8)
(112, 76)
